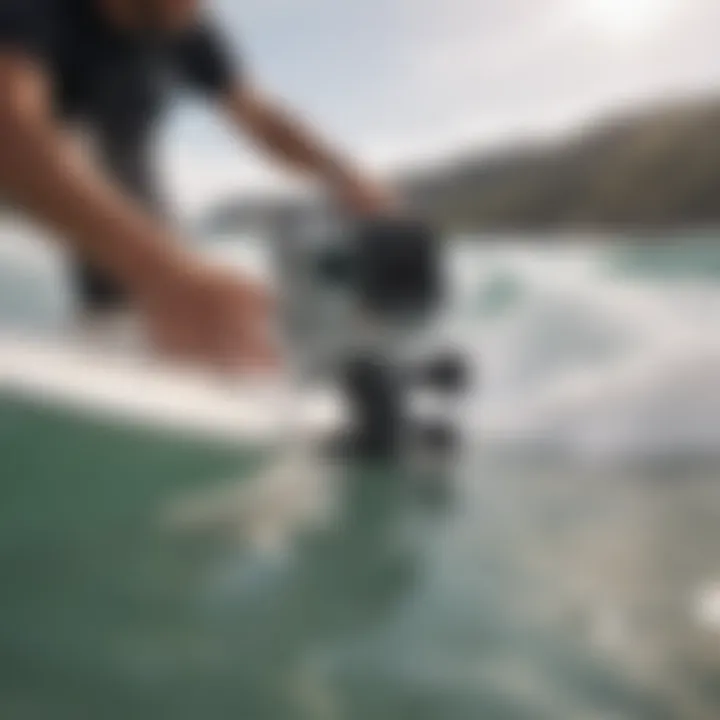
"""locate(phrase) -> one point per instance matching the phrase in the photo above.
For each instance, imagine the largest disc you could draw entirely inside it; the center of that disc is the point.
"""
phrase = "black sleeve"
(27, 26)
(205, 62)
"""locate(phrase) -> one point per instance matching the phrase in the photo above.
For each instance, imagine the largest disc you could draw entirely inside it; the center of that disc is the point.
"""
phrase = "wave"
(583, 352)
(594, 364)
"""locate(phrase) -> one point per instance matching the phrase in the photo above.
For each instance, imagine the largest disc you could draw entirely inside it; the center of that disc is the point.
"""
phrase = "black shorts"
(95, 291)
(129, 163)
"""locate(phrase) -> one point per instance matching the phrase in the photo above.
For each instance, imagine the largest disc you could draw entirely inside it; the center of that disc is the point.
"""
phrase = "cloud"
(399, 80)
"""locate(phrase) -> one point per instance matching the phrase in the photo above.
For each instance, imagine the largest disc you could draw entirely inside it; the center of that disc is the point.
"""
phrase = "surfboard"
(129, 388)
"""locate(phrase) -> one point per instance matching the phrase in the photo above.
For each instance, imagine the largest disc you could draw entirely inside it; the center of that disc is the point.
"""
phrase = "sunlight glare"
(628, 18)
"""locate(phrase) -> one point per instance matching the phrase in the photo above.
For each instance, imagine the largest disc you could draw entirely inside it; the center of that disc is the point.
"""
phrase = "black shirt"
(114, 84)
(98, 69)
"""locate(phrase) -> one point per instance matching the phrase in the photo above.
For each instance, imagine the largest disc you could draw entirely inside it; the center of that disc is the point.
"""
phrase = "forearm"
(289, 140)
(42, 172)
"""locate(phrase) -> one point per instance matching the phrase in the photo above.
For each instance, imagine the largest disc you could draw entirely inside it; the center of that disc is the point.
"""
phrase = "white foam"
(656, 389)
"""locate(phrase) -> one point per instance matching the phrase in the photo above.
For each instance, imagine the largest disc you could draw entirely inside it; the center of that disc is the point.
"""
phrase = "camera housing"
(363, 300)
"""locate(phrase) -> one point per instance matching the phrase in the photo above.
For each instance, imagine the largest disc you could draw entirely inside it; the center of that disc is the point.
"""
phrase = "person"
(108, 68)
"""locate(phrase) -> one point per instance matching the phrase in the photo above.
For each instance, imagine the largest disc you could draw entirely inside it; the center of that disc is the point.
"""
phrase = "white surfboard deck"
(130, 389)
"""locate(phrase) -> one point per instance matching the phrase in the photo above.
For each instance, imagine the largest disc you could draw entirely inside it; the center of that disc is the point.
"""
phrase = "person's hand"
(203, 314)
(365, 197)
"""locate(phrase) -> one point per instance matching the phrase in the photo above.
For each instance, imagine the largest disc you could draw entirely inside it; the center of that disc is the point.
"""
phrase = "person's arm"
(41, 171)
(284, 137)
(207, 63)
(192, 310)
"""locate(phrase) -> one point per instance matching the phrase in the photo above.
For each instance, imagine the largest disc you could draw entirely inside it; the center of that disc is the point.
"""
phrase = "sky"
(402, 82)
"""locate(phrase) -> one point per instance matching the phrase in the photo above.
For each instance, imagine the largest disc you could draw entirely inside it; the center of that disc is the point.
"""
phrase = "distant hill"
(653, 169)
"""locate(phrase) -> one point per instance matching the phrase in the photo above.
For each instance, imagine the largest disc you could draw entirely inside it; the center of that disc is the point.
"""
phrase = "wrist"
(365, 197)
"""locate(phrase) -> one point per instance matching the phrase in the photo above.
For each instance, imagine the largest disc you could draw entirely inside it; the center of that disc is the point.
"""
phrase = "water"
(570, 571)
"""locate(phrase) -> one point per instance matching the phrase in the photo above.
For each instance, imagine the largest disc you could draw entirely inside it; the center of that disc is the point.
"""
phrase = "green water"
(90, 591)
(527, 586)
(693, 259)
(476, 603)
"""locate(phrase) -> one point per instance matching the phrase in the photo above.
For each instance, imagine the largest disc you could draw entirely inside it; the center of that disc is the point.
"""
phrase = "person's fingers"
(261, 356)
(222, 323)
(254, 345)
(257, 300)
(167, 337)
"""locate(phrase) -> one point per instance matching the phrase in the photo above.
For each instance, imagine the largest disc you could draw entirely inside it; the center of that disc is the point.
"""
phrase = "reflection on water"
(527, 590)
(569, 570)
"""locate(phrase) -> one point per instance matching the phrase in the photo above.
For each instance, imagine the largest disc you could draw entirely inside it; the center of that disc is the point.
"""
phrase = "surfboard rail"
(132, 389)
